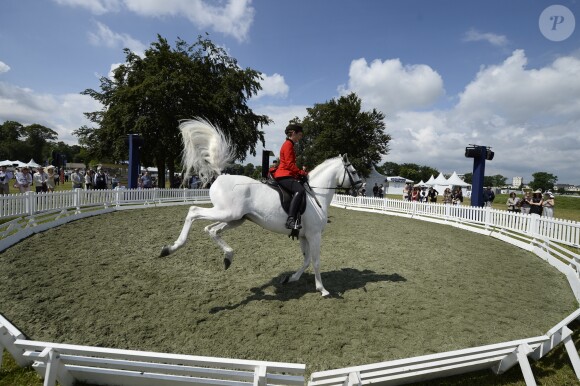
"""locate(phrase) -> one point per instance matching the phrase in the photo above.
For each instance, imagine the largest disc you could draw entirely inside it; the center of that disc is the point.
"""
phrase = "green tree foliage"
(22, 143)
(408, 170)
(543, 180)
(338, 127)
(149, 96)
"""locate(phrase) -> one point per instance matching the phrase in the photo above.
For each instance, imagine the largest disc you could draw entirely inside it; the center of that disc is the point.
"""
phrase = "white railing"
(551, 239)
(556, 230)
(31, 203)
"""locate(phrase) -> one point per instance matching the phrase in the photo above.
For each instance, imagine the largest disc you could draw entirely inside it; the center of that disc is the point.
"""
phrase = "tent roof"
(440, 180)
(456, 181)
(430, 181)
(32, 164)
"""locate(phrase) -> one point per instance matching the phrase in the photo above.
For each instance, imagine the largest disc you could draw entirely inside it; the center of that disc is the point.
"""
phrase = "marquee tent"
(392, 185)
(454, 180)
(440, 184)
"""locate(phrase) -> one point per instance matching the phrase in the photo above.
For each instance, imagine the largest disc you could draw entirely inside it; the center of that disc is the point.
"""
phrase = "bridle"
(354, 184)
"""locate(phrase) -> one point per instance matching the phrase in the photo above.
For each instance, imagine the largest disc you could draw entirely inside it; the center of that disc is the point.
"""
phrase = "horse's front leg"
(314, 243)
(305, 248)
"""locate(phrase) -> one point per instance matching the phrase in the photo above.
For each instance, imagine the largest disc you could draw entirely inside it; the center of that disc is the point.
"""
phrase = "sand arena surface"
(400, 288)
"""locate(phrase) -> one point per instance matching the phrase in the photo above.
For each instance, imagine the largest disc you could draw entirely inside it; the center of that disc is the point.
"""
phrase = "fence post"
(487, 219)
(30, 202)
(77, 200)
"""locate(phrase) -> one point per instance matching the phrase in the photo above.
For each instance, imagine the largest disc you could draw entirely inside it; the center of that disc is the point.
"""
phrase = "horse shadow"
(336, 282)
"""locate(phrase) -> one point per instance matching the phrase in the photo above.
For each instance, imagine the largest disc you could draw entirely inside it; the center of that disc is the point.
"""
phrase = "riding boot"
(293, 212)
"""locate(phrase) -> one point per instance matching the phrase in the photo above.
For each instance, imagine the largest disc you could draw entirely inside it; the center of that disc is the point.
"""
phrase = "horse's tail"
(206, 150)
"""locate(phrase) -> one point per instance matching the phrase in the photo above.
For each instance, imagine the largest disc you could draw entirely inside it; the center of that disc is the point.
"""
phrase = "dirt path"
(401, 288)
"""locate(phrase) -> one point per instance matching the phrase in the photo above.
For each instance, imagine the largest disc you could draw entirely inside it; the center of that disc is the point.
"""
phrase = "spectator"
(536, 205)
(5, 177)
(114, 182)
(381, 191)
(457, 198)
(415, 195)
(447, 196)
(89, 176)
(423, 194)
(548, 205)
(76, 179)
(23, 180)
(52, 178)
(407, 192)
(39, 180)
(513, 203)
(488, 196)
(432, 194)
(100, 179)
(376, 190)
(525, 203)
(146, 182)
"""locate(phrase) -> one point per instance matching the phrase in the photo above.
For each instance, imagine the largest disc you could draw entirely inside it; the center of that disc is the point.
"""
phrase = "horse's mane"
(318, 169)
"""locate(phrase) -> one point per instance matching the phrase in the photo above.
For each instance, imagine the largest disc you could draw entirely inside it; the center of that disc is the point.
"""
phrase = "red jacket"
(287, 165)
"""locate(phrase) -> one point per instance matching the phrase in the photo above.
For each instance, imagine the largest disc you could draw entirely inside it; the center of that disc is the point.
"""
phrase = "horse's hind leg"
(214, 230)
(194, 213)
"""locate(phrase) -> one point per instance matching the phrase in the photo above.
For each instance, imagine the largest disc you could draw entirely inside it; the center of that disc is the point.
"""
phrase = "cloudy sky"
(446, 73)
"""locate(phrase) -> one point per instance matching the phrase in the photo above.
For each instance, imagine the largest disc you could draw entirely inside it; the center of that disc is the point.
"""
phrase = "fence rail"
(553, 240)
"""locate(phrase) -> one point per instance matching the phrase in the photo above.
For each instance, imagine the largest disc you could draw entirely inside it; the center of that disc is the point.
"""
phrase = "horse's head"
(354, 180)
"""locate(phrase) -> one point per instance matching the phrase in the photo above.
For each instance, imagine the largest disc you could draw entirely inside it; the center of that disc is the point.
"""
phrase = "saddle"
(285, 195)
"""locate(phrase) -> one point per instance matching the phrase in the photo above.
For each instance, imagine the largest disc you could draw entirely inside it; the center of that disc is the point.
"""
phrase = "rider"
(289, 175)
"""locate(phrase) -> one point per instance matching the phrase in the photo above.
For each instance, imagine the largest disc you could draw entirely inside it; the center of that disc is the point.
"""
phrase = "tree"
(338, 127)
(11, 146)
(543, 180)
(149, 95)
(37, 137)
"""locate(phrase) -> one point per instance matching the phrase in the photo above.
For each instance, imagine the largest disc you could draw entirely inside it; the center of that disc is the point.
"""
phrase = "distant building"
(517, 181)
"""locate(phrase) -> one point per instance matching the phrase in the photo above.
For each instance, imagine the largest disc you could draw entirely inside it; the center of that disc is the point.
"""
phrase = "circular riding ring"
(399, 288)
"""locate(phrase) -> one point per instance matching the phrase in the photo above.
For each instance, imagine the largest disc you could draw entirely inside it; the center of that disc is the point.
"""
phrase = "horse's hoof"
(285, 280)
(165, 251)
(325, 294)
(227, 263)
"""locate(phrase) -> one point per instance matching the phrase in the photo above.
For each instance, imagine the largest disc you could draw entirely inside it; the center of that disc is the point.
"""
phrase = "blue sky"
(446, 73)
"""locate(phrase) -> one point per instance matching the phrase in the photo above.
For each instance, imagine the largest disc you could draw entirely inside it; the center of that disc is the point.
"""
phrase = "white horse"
(236, 199)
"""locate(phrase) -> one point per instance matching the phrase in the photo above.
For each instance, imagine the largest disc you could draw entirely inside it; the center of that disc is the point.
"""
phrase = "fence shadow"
(336, 282)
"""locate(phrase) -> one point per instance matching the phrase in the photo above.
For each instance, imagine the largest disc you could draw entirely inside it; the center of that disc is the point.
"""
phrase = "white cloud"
(4, 67)
(104, 36)
(391, 87)
(233, 17)
(274, 85)
(530, 117)
(475, 36)
(27, 107)
(98, 7)
(520, 95)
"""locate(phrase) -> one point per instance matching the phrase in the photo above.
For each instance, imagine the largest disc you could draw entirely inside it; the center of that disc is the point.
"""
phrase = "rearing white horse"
(236, 199)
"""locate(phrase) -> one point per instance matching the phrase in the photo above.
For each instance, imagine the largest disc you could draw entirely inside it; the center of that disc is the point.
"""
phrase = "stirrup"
(291, 223)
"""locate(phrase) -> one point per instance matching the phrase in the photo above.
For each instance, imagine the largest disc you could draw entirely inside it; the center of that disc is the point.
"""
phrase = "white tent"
(440, 184)
(32, 164)
(454, 180)
(430, 181)
(6, 163)
(374, 178)
(421, 184)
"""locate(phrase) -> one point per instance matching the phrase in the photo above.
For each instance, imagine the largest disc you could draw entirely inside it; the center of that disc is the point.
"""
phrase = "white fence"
(555, 241)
